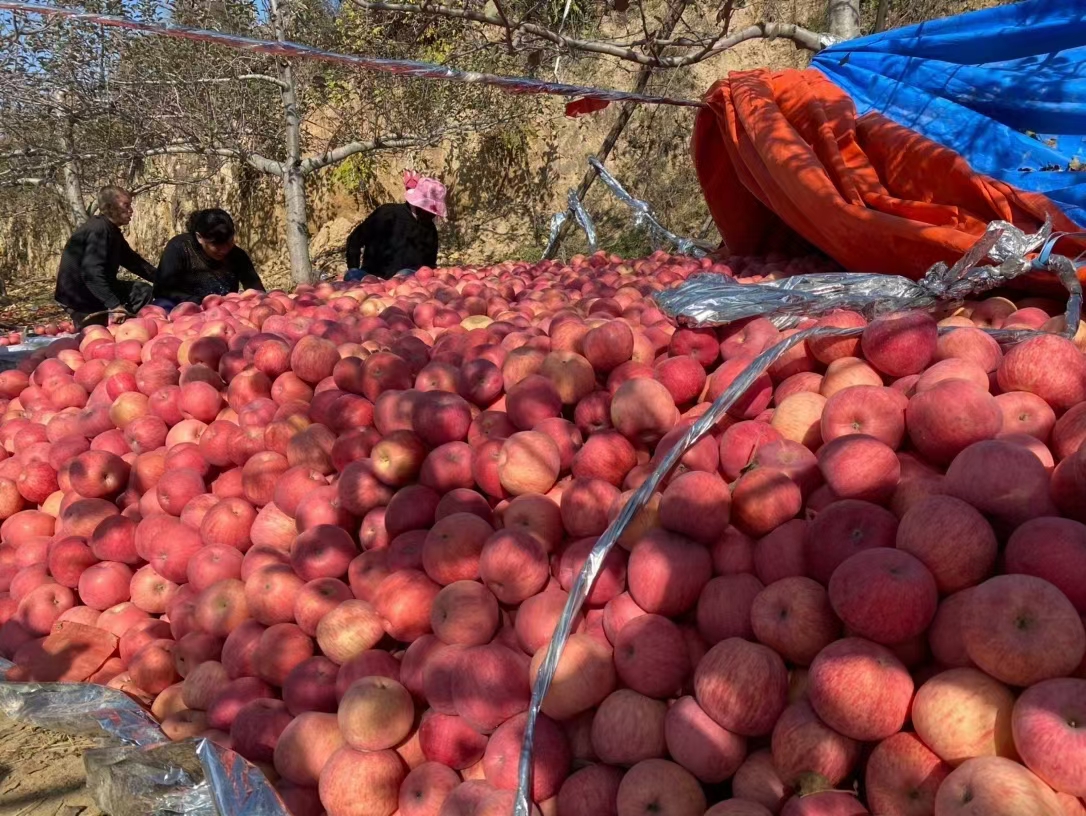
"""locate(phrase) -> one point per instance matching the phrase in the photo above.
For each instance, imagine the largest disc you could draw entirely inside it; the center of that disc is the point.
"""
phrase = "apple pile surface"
(334, 531)
(15, 338)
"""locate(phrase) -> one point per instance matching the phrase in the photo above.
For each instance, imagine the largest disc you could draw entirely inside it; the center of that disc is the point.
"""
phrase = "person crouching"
(398, 238)
(204, 260)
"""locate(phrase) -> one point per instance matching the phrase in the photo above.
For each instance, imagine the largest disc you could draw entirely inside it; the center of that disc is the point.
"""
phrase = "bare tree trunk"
(844, 17)
(75, 207)
(880, 15)
(71, 190)
(301, 266)
(643, 76)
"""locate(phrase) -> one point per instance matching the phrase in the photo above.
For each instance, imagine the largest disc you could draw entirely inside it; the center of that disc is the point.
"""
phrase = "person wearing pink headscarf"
(398, 238)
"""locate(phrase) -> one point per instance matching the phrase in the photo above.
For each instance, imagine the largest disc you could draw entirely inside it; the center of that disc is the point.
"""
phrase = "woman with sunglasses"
(204, 261)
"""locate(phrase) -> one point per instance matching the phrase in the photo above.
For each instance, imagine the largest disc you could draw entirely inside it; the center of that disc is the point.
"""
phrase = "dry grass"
(41, 773)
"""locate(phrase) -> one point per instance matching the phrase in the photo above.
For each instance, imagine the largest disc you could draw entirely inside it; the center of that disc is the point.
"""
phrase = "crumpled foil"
(716, 300)
(79, 709)
(139, 772)
(557, 220)
(160, 779)
(644, 218)
(577, 209)
(584, 219)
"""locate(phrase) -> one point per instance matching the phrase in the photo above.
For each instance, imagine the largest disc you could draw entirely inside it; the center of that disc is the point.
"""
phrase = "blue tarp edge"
(1004, 87)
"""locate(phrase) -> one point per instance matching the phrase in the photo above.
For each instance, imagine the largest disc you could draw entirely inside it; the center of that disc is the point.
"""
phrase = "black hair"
(215, 225)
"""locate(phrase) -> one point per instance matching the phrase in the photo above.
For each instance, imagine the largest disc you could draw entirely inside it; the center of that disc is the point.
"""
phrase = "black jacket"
(87, 280)
(185, 272)
(392, 239)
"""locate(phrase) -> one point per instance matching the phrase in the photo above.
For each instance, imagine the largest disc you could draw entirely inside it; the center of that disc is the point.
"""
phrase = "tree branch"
(505, 22)
(26, 153)
(278, 83)
(880, 16)
(337, 154)
(802, 37)
(25, 182)
(844, 19)
(254, 160)
(164, 182)
(201, 81)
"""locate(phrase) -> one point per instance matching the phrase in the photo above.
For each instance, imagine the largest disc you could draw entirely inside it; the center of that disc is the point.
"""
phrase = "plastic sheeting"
(580, 215)
(712, 300)
(139, 772)
(643, 218)
(785, 163)
(1004, 87)
(894, 150)
(292, 50)
(11, 356)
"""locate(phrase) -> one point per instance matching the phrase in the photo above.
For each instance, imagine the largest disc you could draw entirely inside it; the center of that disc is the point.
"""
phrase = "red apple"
(628, 727)
(883, 594)
(743, 686)
(660, 786)
(963, 713)
(1047, 736)
(900, 344)
(953, 541)
(995, 786)
(1021, 629)
(903, 776)
(1050, 367)
(860, 689)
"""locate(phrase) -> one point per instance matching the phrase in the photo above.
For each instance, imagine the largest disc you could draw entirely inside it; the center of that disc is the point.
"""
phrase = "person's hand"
(118, 315)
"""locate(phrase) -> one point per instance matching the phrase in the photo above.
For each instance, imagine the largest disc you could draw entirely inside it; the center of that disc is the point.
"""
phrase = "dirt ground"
(41, 773)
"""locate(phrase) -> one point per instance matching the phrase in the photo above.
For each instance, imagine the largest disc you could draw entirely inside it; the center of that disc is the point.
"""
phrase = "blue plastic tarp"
(1004, 87)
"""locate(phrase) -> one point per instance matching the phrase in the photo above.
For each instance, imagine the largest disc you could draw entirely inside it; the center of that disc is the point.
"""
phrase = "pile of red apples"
(334, 531)
(15, 338)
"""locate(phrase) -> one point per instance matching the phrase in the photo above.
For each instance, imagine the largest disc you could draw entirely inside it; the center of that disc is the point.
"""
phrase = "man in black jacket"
(87, 281)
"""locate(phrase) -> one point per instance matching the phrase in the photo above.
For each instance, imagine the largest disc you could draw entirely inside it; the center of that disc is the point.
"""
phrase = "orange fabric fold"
(785, 163)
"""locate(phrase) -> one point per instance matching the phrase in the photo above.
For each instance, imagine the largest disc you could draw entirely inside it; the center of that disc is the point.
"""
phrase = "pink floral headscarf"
(425, 193)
